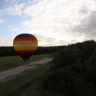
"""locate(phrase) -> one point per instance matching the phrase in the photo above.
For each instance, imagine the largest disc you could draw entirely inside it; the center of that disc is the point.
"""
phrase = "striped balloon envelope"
(25, 45)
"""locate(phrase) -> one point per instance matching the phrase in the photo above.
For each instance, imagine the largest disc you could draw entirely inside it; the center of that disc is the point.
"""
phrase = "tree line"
(9, 51)
(73, 72)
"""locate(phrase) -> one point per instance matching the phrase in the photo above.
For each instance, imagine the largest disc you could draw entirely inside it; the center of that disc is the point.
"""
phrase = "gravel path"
(14, 72)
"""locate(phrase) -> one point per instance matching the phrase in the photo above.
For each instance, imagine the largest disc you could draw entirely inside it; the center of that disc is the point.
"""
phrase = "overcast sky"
(53, 22)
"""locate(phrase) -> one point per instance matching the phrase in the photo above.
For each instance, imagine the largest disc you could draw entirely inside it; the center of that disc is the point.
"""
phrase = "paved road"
(14, 72)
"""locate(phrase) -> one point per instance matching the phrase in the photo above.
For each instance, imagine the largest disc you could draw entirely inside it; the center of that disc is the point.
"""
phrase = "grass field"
(13, 61)
(21, 83)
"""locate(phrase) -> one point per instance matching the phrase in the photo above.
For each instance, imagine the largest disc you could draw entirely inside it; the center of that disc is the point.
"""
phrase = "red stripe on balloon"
(25, 51)
(25, 38)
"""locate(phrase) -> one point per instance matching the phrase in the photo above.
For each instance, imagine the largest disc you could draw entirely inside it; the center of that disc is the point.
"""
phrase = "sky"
(53, 22)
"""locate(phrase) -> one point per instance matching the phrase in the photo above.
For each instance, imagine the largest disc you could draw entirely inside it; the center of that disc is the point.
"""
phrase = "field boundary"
(17, 71)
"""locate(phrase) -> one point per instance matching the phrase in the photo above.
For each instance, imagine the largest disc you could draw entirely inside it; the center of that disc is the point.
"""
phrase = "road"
(14, 72)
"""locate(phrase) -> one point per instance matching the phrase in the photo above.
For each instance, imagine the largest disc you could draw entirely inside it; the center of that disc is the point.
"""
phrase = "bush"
(74, 71)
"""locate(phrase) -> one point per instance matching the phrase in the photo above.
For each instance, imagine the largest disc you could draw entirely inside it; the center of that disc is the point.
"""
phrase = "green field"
(18, 85)
(13, 61)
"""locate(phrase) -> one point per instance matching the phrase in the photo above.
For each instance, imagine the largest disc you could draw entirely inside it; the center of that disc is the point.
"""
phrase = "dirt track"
(14, 72)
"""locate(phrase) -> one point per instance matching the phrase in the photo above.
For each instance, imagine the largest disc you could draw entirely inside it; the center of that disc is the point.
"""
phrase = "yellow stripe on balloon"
(25, 42)
(26, 48)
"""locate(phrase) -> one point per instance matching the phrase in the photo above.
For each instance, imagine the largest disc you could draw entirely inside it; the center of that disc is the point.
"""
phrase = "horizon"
(57, 45)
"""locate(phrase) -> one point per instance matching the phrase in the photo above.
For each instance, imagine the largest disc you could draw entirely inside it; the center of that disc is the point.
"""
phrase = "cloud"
(87, 25)
(15, 9)
(9, 42)
(14, 29)
(9, 2)
(12, 1)
(35, 10)
(2, 21)
(64, 21)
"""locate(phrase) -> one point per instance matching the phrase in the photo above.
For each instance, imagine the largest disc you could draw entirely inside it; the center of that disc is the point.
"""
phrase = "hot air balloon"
(25, 45)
